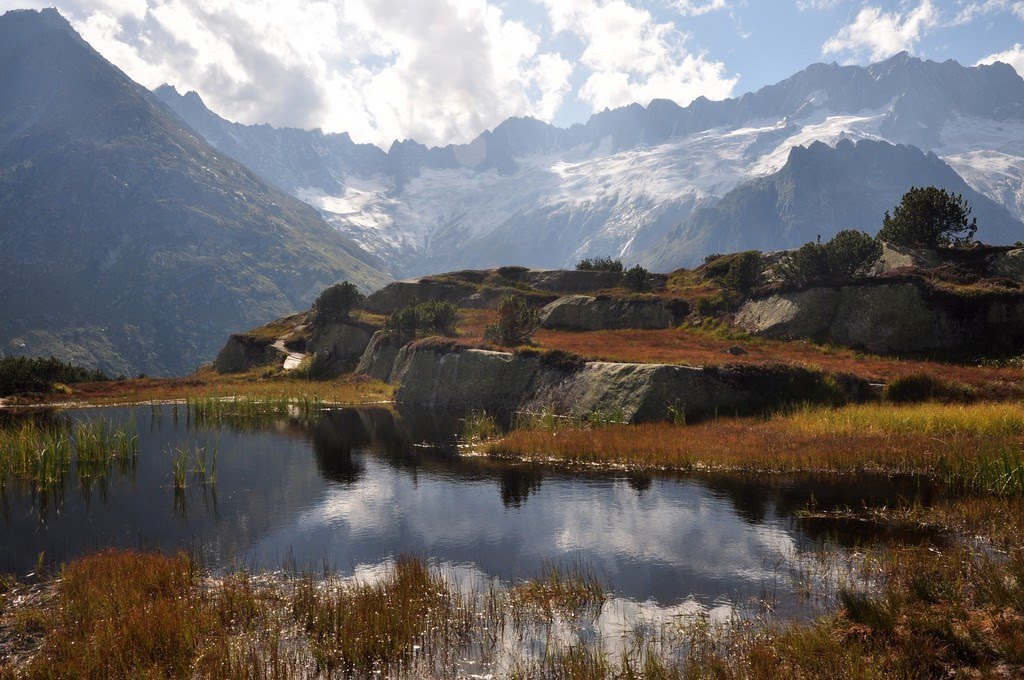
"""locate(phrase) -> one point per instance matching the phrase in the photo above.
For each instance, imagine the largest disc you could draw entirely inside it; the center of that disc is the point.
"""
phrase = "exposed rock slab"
(461, 378)
(241, 353)
(890, 318)
(588, 313)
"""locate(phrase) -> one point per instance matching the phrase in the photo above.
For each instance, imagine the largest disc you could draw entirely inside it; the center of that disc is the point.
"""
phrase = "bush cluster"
(741, 272)
(422, 318)
(516, 324)
(599, 264)
(841, 258)
(335, 304)
(38, 374)
(637, 278)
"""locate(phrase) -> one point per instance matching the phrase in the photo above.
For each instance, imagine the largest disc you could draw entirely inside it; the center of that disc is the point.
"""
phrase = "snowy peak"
(621, 181)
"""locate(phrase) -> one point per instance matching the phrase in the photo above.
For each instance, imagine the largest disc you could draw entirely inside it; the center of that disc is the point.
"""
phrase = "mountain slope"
(127, 243)
(537, 195)
(820, 191)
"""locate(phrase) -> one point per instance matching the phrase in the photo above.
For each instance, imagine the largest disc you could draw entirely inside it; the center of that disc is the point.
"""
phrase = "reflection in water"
(357, 486)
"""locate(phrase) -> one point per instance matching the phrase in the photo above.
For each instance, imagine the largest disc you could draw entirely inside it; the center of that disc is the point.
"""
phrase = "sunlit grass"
(977, 448)
(42, 453)
(907, 612)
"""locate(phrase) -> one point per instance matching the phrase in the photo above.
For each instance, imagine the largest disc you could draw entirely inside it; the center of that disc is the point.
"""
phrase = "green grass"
(42, 453)
(241, 407)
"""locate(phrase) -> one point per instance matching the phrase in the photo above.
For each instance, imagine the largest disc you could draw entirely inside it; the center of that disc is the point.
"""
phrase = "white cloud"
(881, 34)
(1013, 56)
(974, 10)
(698, 7)
(805, 5)
(631, 57)
(437, 71)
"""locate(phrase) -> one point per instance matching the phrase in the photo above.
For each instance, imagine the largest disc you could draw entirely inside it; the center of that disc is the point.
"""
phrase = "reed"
(195, 461)
(366, 628)
(42, 453)
(35, 453)
(100, 444)
(202, 409)
(478, 426)
(571, 588)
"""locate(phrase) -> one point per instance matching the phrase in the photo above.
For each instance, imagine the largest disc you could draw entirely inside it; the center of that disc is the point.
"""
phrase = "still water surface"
(357, 487)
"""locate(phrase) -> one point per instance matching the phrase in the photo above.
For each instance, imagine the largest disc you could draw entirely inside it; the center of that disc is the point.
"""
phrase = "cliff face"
(890, 318)
(455, 378)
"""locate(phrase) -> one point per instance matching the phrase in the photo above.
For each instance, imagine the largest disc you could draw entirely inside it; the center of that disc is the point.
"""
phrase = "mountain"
(533, 194)
(818, 192)
(127, 242)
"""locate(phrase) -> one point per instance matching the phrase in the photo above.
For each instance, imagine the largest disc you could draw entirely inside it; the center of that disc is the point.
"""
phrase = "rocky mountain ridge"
(533, 194)
(127, 242)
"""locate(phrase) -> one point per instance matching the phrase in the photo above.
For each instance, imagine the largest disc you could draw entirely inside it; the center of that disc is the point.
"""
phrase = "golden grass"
(927, 438)
(349, 389)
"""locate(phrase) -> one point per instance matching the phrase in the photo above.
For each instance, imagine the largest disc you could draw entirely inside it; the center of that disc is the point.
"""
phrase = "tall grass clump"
(100, 444)
(923, 387)
(997, 472)
(123, 615)
(191, 459)
(213, 409)
(367, 628)
(478, 426)
(35, 453)
(571, 588)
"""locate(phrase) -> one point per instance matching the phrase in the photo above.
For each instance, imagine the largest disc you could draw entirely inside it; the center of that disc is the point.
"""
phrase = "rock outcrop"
(243, 352)
(588, 313)
(895, 257)
(481, 289)
(1009, 264)
(462, 378)
(890, 317)
(341, 343)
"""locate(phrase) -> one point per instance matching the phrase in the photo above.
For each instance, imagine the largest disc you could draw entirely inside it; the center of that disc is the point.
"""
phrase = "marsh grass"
(369, 627)
(910, 612)
(478, 426)
(252, 408)
(571, 588)
(977, 448)
(41, 453)
(195, 461)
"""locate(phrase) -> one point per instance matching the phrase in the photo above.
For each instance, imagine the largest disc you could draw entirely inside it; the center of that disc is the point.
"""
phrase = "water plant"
(241, 407)
(478, 426)
(195, 460)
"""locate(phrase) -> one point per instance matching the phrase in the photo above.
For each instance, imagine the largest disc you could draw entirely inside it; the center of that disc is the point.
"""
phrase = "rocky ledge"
(445, 375)
(590, 313)
(890, 317)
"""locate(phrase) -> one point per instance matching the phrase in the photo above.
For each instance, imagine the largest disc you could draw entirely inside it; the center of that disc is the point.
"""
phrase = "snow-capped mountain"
(621, 183)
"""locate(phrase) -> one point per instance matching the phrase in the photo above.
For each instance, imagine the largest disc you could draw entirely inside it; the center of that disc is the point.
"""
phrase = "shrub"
(711, 257)
(335, 304)
(38, 374)
(419, 318)
(849, 251)
(638, 279)
(710, 306)
(316, 366)
(807, 264)
(742, 272)
(599, 264)
(929, 217)
(919, 387)
(516, 324)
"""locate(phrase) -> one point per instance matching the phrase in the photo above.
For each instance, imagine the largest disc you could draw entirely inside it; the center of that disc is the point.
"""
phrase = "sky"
(441, 71)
